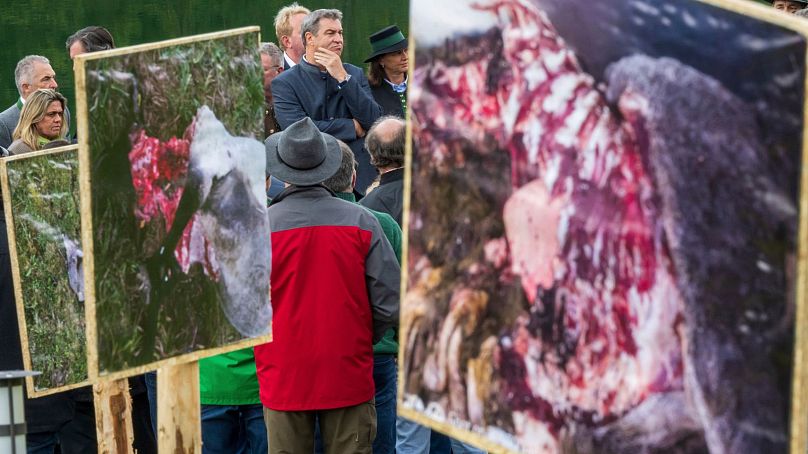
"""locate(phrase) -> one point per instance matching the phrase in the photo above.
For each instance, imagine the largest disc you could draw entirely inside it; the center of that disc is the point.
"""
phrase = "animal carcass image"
(602, 237)
(174, 190)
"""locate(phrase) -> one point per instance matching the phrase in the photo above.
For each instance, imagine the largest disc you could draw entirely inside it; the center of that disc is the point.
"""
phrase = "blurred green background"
(41, 27)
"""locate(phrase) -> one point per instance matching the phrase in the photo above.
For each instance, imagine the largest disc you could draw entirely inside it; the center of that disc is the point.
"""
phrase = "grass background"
(45, 193)
(160, 91)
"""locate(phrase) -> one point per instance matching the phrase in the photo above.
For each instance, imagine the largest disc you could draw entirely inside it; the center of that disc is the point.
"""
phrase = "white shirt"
(288, 60)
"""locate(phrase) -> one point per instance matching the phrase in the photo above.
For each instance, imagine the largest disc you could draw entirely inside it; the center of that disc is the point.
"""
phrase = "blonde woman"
(41, 121)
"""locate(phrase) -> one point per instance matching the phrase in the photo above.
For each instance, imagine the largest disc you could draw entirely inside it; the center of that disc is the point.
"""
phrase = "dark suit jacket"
(305, 91)
(8, 121)
(389, 196)
(388, 99)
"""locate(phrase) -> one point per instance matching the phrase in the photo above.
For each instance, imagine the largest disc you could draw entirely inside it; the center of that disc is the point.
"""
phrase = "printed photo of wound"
(41, 201)
(173, 200)
(603, 225)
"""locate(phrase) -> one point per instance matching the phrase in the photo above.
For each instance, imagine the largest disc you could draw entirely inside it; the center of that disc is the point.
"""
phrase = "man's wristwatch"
(342, 84)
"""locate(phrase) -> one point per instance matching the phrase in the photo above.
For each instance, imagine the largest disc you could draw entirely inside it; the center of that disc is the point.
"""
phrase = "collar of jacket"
(391, 176)
(347, 196)
(315, 191)
(309, 68)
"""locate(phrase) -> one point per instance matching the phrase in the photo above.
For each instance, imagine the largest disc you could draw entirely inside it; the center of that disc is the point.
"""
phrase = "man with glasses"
(272, 62)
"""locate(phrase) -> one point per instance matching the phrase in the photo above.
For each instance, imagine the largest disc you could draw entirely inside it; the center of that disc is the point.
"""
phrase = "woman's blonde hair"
(34, 110)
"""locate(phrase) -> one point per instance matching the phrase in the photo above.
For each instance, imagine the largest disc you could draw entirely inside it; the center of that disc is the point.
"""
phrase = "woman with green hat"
(387, 74)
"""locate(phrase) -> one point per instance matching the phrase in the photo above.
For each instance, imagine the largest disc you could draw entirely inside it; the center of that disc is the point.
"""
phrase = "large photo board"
(41, 202)
(173, 200)
(604, 226)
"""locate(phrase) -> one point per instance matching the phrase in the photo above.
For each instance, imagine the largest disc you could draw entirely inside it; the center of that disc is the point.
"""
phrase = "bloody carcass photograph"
(41, 200)
(602, 225)
(174, 201)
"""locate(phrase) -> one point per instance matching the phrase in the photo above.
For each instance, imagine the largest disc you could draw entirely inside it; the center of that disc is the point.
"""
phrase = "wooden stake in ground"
(178, 414)
(113, 420)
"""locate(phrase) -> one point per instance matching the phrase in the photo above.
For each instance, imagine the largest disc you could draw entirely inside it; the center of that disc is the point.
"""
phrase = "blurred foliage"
(38, 27)
(160, 91)
(45, 204)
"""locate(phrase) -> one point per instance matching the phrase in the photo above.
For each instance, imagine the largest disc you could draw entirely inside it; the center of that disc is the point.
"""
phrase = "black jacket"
(389, 196)
(388, 99)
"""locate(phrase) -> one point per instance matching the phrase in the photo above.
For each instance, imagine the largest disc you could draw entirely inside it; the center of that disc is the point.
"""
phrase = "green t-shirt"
(388, 344)
(229, 379)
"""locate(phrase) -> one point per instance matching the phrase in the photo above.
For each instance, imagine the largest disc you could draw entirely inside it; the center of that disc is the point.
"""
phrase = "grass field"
(45, 206)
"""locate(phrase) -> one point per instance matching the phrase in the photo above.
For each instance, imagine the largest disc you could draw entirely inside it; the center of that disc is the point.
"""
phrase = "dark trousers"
(233, 429)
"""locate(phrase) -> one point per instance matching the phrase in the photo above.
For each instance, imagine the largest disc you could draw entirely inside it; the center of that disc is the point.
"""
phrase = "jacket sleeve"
(5, 135)
(359, 99)
(383, 280)
(289, 109)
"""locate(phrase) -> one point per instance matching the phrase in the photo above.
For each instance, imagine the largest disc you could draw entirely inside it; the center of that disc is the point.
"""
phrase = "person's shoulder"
(370, 197)
(350, 207)
(353, 70)
(11, 112)
(18, 147)
(287, 75)
(384, 219)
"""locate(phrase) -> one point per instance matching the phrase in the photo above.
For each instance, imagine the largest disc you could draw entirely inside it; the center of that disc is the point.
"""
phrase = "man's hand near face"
(332, 63)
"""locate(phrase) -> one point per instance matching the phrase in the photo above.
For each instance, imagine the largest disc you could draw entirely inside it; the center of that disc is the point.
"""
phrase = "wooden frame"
(86, 210)
(798, 436)
(15, 269)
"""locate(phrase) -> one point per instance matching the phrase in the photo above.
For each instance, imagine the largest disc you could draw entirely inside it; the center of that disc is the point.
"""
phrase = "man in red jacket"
(335, 291)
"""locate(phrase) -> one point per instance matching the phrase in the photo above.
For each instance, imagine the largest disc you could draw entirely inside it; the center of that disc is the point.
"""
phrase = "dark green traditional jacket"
(388, 345)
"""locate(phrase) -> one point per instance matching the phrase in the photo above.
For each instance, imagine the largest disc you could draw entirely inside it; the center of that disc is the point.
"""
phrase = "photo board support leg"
(178, 413)
(113, 417)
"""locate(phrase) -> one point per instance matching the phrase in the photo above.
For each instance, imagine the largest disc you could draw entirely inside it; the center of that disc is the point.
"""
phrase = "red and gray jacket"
(335, 291)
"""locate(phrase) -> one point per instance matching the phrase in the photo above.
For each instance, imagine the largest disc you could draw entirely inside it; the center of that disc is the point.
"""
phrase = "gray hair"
(311, 24)
(273, 52)
(802, 13)
(341, 181)
(25, 70)
(387, 151)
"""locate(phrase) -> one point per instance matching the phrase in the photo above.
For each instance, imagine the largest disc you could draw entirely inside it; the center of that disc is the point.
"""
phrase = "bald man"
(385, 142)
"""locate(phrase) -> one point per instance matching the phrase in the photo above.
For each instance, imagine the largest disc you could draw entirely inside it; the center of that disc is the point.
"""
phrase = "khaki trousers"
(348, 430)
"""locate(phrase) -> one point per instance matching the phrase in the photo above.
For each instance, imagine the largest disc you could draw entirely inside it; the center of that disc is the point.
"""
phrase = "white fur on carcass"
(74, 260)
(241, 242)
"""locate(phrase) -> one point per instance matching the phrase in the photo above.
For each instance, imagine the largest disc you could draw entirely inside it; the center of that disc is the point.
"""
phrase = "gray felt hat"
(302, 155)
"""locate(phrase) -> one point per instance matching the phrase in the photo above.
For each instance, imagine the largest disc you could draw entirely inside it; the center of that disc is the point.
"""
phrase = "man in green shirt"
(232, 414)
(385, 369)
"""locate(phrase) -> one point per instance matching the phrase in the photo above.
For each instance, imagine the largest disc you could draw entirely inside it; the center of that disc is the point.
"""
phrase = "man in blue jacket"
(335, 95)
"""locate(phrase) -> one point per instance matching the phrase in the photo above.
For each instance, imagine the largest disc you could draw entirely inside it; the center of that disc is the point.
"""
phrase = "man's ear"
(353, 179)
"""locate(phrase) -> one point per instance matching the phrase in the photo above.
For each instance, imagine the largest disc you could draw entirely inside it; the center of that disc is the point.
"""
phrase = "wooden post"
(113, 422)
(178, 414)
